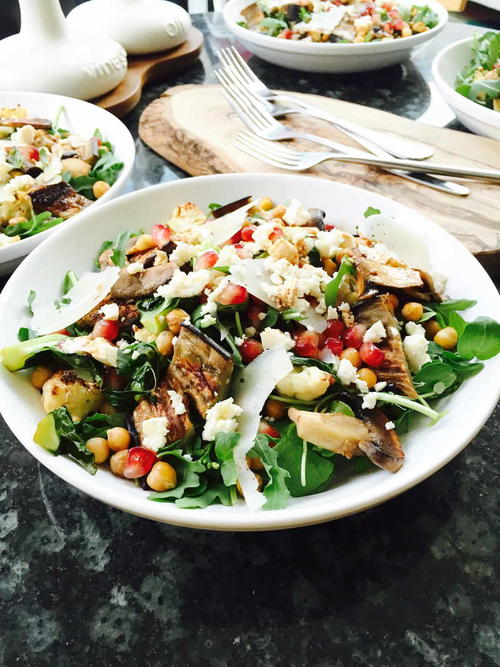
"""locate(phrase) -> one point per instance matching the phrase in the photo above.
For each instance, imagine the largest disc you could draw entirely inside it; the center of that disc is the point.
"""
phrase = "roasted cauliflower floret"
(305, 383)
(66, 389)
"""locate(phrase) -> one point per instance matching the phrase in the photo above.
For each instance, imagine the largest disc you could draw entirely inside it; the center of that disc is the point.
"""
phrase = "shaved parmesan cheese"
(398, 239)
(227, 225)
(253, 386)
(89, 291)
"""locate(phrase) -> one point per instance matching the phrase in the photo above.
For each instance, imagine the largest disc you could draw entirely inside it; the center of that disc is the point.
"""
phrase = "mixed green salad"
(48, 174)
(480, 78)
(255, 350)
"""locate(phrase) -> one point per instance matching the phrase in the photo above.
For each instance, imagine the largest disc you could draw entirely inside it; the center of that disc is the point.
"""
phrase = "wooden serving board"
(148, 68)
(193, 127)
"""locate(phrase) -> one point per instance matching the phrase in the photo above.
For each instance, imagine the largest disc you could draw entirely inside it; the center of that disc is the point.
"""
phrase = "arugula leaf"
(304, 15)
(104, 246)
(485, 52)
(480, 339)
(276, 490)
(315, 257)
(69, 281)
(224, 450)
(343, 408)
(72, 442)
(37, 224)
(363, 464)
(120, 246)
(442, 311)
(346, 267)
(31, 298)
(271, 317)
(371, 211)
(208, 497)
(188, 476)
(457, 322)
(318, 469)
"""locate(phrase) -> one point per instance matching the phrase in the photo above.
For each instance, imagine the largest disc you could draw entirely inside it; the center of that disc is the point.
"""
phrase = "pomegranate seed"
(235, 238)
(276, 234)
(329, 226)
(206, 260)
(371, 354)
(63, 332)
(161, 235)
(253, 313)
(306, 344)
(108, 329)
(232, 295)
(34, 155)
(335, 345)
(287, 34)
(335, 329)
(250, 349)
(353, 337)
(267, 429)
(242, 251)
(247, 233)
(139, 462)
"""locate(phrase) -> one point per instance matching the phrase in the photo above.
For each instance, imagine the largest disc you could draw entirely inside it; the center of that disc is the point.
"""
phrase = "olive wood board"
(194, 127)
(148, 68)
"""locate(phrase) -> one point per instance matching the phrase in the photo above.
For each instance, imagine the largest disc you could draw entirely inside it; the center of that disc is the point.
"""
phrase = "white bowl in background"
(81, 118)
(446, 66)
(327, 57)
(427, 448)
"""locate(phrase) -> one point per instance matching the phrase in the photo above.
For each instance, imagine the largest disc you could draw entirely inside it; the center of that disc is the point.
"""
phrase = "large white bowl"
(81, 118)
(74, 246)
(326, 57)
(446, 66)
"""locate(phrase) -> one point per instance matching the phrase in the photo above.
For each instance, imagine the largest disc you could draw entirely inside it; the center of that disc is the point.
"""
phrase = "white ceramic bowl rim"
(233, 8)
(19, 248)
(377, 490)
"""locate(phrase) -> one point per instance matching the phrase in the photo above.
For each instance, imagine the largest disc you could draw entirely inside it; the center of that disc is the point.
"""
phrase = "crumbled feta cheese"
(110, 311)
(328, 243)
(332, 313)
(305, 383)
(228, 256)
(394, 332)
(297, 234)
(363, 22)
(296, 214)
(184, 285)
(414, 328)
(362, 386)
(344, 307)
(375, 333)
(415, 346)
(369, 401)
(23, 136)
(183, 253)
(98, 348)
(154, 432)
(271, 338)
(390, 425)
(177, 402)
(440, 281)
(346, 372)
(135, 267)
(239, 341)
(261, 236)
(377, 252)
(380, 385)
(221, 418)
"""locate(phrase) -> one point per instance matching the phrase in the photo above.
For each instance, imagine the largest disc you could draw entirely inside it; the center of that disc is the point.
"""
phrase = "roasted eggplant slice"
(37, 123)
(144, 283)
(333, 431)
(129, 315)
(233, 206)
(179, 426)
(385, 275)
(200, 368)
(383, 448)
(59, 198)
(427, 292)
(394, 369)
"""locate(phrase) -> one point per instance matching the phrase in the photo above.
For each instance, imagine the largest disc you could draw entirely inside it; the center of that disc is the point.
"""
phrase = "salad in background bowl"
(58, 156)
(250, 348)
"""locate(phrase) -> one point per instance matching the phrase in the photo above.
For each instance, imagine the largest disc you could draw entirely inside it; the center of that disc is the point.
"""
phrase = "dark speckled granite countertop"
(407, 584)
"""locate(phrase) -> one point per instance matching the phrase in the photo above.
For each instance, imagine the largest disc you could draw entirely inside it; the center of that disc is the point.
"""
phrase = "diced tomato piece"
(161, 235)
(276, 234)
(232, 295)
(306, 344)
(139, 462)
(250, 349)
(335, 345)
(247, 233)
(371, 354)
(353, 337)
(206, 260)
(108, 329)
(335, 329)
(266, 428)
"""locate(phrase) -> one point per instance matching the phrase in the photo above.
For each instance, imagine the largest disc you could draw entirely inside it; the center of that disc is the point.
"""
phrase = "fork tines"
(267, 151)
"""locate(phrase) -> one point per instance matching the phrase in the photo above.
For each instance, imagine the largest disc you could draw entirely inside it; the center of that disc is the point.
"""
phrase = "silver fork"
(287, 158)
(280, 105)
(260, 121)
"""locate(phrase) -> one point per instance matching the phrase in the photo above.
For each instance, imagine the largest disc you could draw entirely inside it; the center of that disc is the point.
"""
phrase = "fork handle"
(397, 146)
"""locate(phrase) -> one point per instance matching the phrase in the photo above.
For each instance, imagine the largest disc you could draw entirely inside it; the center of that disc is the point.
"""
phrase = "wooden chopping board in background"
(194, 127)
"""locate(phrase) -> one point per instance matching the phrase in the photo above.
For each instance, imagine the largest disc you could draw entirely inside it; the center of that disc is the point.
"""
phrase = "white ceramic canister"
(50, 56)
(141, 26)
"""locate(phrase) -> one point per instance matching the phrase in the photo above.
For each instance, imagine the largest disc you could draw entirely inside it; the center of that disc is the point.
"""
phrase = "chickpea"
(174, 320)
(274, 409)
(162, 477)
(254, 463)
(412, 311)
(431, 328)
(75, 166)
(142, 242)
(446, 338)
(394, 301)
(117, 462)
(100, 188)
(99, 448)
(368, 376)
(260, 482)
(118, 438)
(283, 249)
(340, 255)
(352, 355)
(266, 204)
(329, 266)
(279, 211)
(40, 375)
(164, 343)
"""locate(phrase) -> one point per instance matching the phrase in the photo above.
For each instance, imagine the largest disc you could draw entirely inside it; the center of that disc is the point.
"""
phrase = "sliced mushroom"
(385, 275)
(144, 283)
(383, 448)
(427, 292)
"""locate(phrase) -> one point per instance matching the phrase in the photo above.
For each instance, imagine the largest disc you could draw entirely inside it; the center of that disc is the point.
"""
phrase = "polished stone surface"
(407, 584)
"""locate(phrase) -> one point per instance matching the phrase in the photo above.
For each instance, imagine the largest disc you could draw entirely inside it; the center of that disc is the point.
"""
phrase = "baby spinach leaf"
(434, 377)
(480, 339)
(343, 408)
(276, 490)
(212, 494)
(444, 309)
(371, 211)
(188, 476)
